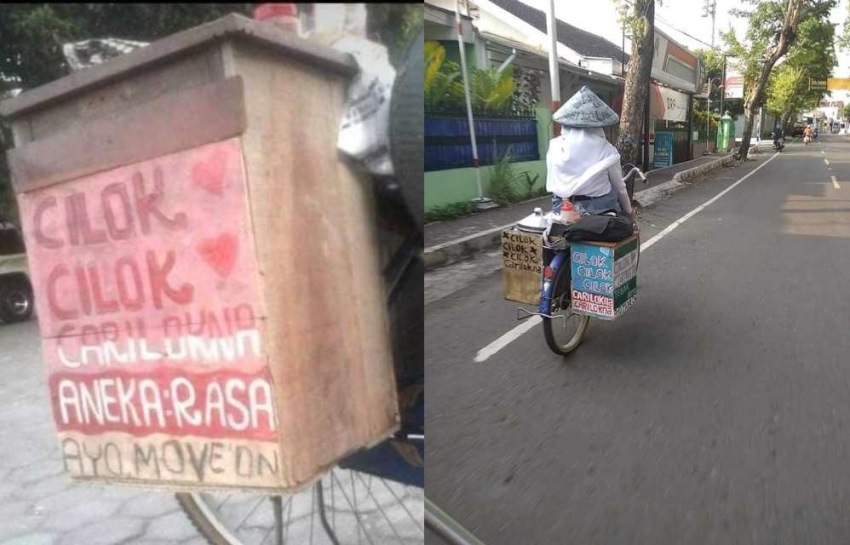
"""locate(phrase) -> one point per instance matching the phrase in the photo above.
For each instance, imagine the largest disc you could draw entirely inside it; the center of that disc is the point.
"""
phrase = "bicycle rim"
(346, 507)
(566, 329)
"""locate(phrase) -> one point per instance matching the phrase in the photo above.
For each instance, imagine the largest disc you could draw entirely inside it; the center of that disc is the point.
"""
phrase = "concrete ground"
(38, 503)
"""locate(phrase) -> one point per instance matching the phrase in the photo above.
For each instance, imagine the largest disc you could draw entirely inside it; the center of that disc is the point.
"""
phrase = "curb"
(452, 251)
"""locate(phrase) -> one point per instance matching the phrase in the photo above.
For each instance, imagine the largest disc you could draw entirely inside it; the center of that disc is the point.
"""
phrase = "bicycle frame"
(547, 287)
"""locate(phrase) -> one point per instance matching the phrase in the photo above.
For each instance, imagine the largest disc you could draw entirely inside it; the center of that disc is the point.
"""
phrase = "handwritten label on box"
(151, 321)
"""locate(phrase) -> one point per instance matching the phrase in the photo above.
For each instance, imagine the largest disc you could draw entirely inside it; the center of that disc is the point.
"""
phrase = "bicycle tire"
(561, 302)
(334, 528)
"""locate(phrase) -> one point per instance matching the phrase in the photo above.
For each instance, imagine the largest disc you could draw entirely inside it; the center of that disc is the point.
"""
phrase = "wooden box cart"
(204, 263)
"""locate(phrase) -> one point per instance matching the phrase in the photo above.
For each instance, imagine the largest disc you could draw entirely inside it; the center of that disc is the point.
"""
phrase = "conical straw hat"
(585, 110)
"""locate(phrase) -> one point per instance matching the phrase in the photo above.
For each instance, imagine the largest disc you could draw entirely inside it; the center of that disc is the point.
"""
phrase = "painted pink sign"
(148, 302)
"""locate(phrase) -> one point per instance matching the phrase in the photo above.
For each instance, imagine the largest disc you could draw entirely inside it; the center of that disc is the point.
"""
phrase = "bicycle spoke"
(354, 491)
(400, 502)
(251, 512)
(312, 513)
(356, 514)
(370, 506)
(333, 506)
(267, 535)
(289, 517)
(384, 513)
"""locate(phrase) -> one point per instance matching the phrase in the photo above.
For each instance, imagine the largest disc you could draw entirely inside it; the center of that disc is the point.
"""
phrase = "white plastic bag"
(364, 130)
(330, 22)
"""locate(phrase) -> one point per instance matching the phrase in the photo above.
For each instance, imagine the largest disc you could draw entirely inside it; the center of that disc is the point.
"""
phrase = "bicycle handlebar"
(634, 170)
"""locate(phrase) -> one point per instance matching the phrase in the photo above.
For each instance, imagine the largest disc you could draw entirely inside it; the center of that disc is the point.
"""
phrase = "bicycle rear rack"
(529, 314)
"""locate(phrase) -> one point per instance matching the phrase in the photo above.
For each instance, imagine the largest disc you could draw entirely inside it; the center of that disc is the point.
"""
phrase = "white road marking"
(835, 183)
(646, 245)
(506, 339)
(826, 161)
(494, 347)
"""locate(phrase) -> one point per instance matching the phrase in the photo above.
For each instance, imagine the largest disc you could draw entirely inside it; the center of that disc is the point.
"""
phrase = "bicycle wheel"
(344, 507)
(563, 332)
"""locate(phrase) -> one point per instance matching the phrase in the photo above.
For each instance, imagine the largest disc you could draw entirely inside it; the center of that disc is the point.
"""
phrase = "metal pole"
(710, 10)
(447, 528)
(708, 118)
(690, 127)
(462, 50)
(554, 74)
(650, 14)
(723, 85)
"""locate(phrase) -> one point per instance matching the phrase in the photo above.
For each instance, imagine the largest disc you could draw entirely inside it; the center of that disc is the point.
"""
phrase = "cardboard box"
(205, 265)
(604, 277)
(522, 266)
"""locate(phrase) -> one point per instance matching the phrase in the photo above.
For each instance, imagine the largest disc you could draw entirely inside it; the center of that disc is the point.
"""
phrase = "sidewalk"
(449, 241)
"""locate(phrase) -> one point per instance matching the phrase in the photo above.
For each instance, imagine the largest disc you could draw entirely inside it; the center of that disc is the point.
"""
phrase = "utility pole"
(710, 11)
(481, 202)
(723, 85)
(554, 75)
(650, 14)
(708, 118)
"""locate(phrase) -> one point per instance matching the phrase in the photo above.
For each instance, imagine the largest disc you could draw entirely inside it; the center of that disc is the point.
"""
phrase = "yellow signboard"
(838, 84)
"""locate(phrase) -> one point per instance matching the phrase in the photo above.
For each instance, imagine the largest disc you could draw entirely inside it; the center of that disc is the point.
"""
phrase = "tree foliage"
(396, 25)
(773, 28)
(491, 92)
(32, 35)
(812, 55)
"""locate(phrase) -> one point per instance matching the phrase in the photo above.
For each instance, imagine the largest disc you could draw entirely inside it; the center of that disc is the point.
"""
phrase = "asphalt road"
(717, 410)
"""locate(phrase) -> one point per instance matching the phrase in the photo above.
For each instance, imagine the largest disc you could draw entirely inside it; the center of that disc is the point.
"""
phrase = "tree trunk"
(755, 96)
(635, 93)
(752, 103)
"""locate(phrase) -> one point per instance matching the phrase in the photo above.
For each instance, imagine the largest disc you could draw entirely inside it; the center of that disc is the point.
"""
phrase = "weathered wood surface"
(318, 256)
(227, 292)
(149, 305)
(174, 122)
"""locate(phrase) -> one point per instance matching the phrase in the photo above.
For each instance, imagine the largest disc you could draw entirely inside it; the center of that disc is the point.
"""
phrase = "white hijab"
(576, 157)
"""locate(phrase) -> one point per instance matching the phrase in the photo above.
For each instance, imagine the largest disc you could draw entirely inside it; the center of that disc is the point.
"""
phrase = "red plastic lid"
(267, 11)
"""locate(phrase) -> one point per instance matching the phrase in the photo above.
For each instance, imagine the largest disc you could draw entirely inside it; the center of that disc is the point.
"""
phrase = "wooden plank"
(175, 122)
(188, 463)
(151, 315)
(231, 26)
(195, 68)
(317, 253)
(522, 266)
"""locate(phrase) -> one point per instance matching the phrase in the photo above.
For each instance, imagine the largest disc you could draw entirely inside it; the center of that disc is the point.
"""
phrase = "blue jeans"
(594, 205)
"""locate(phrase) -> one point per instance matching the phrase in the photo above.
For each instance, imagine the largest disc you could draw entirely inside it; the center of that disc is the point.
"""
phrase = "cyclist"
(581, 165)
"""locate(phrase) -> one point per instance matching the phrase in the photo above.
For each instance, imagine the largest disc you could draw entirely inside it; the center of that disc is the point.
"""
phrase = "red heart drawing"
(209, 173)
(220, 253)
